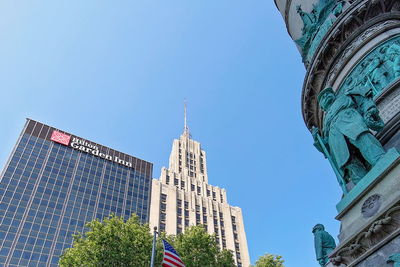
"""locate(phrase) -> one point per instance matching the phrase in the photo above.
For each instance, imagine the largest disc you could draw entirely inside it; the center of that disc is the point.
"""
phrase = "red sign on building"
(60, 137)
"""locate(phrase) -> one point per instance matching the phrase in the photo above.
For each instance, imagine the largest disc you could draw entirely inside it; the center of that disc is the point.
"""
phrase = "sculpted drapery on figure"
(316, 24)
(346, 135)
(324, 244)
(378, 69)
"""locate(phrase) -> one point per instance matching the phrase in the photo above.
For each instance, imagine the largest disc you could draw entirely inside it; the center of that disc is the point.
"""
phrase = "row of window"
(194, 187)
(46, 212)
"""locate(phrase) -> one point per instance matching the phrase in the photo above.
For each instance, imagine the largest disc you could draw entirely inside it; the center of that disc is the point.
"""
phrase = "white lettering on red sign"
(60, 137)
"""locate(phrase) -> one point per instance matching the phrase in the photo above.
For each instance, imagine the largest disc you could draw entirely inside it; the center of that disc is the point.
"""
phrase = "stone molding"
(355, 26)
(380, 231)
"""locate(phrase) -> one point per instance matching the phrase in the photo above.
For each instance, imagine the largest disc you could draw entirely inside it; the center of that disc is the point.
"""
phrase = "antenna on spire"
(186, 128)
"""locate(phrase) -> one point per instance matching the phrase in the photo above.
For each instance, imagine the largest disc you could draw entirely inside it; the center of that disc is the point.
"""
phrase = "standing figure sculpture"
(324, 244)
(393, 54)
(346, 135)
(377, 75)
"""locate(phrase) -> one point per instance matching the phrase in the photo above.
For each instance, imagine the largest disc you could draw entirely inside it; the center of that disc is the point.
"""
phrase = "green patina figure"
(393, 55)
(376, 70)
(324, 244)
(316, 24)
(394, 258)
(346, 135)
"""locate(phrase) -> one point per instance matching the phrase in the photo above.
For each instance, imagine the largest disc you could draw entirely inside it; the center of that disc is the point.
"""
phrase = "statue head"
(318, 227)
(326, 98)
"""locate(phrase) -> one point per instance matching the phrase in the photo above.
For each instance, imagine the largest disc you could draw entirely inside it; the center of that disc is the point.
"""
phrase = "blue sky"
(116, 72)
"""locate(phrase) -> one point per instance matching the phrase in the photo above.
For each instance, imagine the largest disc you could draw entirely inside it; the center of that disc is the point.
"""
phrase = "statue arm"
(370, 112)
(318, 246)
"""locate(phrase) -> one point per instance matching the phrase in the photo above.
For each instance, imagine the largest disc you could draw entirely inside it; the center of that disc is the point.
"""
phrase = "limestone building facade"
(182, 197)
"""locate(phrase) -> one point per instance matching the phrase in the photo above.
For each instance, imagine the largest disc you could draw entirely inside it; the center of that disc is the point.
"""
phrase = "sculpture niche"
(346, 139)
(324, 244)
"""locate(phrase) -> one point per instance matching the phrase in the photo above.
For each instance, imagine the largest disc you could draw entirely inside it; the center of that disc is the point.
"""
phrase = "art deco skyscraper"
(182, 197)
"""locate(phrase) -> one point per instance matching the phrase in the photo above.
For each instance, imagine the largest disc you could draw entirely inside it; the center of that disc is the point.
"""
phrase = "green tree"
(111, 242)
(269, 260)
(114, 242)
(197, 248)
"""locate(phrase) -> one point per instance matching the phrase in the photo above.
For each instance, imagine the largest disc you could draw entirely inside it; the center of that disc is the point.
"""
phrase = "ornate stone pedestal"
(370, 218)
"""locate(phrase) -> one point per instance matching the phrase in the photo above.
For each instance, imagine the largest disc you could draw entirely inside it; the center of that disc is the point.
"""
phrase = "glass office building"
(53, 183)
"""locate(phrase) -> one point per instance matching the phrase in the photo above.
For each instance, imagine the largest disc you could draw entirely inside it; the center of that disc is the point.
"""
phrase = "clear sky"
(116, 72)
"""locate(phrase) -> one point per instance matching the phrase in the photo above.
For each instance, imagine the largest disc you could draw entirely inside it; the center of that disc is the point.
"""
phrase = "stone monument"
(351, 104)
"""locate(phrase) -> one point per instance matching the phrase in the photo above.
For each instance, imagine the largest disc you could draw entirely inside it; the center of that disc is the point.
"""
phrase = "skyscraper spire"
(186, 128)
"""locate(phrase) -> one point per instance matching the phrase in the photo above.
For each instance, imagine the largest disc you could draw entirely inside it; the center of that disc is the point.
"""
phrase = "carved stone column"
(354, 45)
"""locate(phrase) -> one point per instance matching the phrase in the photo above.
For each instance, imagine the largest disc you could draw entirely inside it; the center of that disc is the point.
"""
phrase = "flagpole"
(153, 250)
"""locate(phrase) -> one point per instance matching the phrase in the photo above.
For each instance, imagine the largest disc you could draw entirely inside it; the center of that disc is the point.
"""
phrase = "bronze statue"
(349, 116)
(324, 244)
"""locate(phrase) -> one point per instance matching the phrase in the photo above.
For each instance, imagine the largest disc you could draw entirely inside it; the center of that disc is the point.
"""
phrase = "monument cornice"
(358, 18)
(383, 228)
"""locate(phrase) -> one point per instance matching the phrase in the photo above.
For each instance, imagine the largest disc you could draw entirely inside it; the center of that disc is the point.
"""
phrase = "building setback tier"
(182, 197)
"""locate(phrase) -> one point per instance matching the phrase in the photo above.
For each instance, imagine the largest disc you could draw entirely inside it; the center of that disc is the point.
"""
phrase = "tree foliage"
(111, 242)
(269, 260)
(114, 242)
(199, 249)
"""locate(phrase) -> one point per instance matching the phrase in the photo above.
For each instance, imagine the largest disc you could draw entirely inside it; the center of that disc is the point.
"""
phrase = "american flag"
(171, 257)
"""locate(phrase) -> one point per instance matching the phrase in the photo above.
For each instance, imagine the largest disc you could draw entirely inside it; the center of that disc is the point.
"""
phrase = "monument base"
(370, 218)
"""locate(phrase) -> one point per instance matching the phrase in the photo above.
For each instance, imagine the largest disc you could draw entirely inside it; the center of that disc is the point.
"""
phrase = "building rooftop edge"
(149, 162)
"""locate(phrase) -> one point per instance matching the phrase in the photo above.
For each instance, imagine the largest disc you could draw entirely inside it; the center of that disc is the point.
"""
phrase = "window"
(162, 227)
(162, 217)
(237, 246)
(163, 207)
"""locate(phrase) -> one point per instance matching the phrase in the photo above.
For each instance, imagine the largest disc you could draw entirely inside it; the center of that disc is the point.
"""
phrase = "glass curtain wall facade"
(50, 189)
